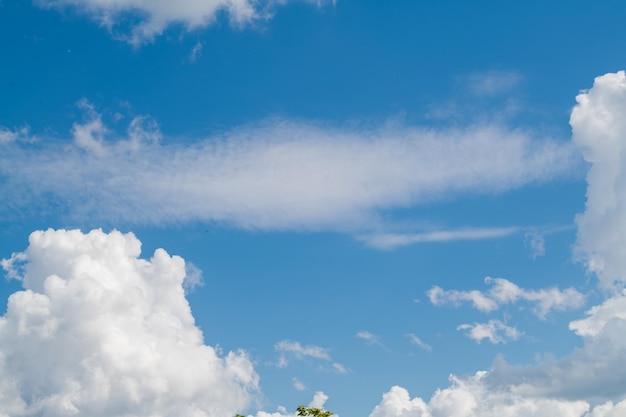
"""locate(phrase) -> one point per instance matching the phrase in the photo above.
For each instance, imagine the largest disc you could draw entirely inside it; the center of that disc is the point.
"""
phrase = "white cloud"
(537, 243)
(299, 351)
(90, 135)
(289, 351)
(295, 350)
(492, 83)
(318, 401)
(397, 403)
(417, 341)
(7, 135)
(438, 296)
(193, 277)
(298, 385)
(599, 127)
(99, 331)
(503, 292)
(609, 410)
(273, 175)
(612, 309)
(471, 397)
(563, 387)
(195, 52)
(393, 240)
(340, 368)
(495, 331)
(593, 371)
(152, 17)
(370, 338)
(367, 336)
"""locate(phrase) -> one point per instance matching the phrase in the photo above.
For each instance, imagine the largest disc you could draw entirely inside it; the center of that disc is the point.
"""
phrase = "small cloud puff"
(495, 331)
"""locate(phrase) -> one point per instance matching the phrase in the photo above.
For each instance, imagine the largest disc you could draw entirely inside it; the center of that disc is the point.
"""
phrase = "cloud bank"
(276, 175)
(98, 331)
(594, 372)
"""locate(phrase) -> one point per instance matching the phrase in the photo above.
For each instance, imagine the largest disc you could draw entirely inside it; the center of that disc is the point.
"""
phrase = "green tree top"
(308, 411)
(313, 412)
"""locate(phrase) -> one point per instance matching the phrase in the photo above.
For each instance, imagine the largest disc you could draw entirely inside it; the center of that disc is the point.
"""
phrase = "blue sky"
(389, 209)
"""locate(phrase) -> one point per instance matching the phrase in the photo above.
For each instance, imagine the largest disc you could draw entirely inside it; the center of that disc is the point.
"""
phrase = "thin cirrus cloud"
(99, 331)
(593, 373)
(388, 241)
(318, 401)
(274, 175)
(503, 292)
(418, 342)
(151, 18)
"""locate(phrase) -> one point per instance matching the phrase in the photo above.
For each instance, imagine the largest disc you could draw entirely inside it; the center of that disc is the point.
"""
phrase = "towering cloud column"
(599, 127)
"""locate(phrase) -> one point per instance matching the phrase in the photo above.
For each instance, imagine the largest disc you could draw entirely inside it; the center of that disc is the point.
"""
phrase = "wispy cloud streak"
(275, 175)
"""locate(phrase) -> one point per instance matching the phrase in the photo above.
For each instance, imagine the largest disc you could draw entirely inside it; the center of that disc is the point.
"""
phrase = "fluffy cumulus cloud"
(154, 16)
(272, 175)
(503, 292)
(98, 331)
(10, 135)
(599, 129)
(474, 397)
